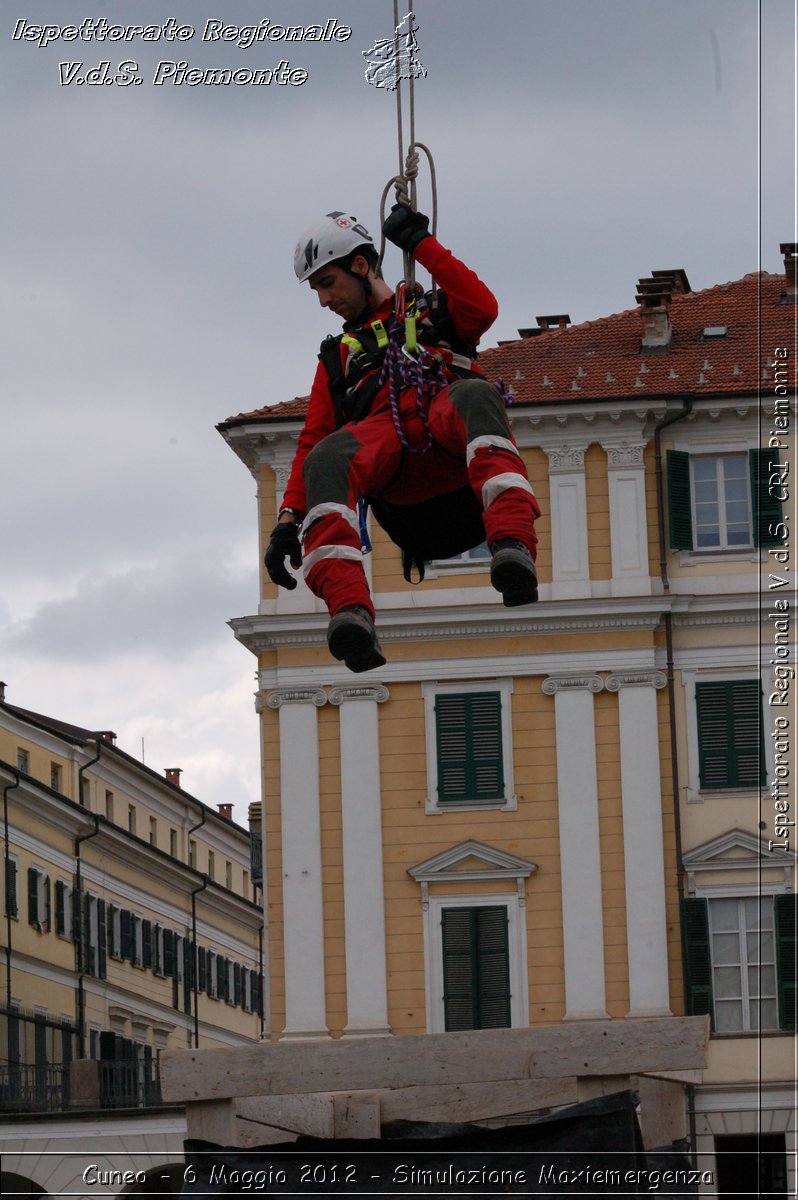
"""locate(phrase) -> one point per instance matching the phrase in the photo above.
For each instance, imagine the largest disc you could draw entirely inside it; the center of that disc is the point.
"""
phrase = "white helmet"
(335, 236)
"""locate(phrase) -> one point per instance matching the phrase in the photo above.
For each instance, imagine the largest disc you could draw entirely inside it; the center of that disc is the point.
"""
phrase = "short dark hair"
(367, 251)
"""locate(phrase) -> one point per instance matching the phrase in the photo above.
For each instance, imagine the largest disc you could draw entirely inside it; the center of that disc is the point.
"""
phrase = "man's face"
(340, 290)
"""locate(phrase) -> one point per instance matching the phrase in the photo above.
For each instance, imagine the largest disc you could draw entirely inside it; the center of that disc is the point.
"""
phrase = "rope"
(404, 182)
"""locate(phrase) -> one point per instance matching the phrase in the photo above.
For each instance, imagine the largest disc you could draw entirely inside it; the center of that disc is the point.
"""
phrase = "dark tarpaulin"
(592, 1148)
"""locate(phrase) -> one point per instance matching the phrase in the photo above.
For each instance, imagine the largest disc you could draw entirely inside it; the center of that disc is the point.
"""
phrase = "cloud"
(162, 612)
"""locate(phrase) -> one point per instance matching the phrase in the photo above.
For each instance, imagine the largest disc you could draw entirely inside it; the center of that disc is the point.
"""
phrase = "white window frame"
(695, 794)
(740, 892)
(459, 564)
(704, 444)
(430, 692)
(516, 945)
(724, 546)
(210, 969)
(42, 881)
(68, 909)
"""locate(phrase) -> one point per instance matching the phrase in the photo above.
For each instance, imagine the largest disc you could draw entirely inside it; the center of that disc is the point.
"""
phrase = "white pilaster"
(628, 525)
(580, 861)
(303, 923)
(643, 852)
(364, 908)
(570, 567)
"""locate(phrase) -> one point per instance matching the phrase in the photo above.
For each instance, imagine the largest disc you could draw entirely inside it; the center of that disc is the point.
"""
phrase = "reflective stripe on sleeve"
(500, 483)
(324, 510)
(479, 443)
(324, 552)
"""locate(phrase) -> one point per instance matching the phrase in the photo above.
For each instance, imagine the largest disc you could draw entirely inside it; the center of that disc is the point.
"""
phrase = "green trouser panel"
(326, 469)
(481, 408)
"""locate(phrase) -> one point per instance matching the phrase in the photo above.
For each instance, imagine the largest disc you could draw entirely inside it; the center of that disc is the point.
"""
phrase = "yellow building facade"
(130, 926)
(562, 812)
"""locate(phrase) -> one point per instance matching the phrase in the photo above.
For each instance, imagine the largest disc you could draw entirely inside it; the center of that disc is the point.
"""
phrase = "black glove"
(284, 544)
(405, 228)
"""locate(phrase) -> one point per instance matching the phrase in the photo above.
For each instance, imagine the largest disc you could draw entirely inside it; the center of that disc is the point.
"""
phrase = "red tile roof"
(604, 359)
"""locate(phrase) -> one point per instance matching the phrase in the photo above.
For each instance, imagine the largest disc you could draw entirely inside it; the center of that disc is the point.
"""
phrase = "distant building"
(567, 811)
(130, 925)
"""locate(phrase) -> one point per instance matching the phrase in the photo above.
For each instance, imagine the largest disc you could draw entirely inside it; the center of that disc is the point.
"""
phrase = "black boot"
(512, 572)
(352, 638)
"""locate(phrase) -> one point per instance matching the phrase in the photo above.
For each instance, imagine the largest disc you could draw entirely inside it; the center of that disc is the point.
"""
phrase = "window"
(38, 900)
(476, 968)
(23, 760)
(740, 961)
(153, 831)
(55, 776)
(729, 727)
(131, 818)
(724, 501)
(478, 556)
(245, 884)
(211, 864)
(192, 852)
(95, 936)
(109, 806)
(469, 748)
(63, 909)
(173, 843)
(228, 876)
(11, 889)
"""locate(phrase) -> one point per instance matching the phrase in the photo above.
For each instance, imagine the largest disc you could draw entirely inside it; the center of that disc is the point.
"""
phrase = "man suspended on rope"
(416, 430)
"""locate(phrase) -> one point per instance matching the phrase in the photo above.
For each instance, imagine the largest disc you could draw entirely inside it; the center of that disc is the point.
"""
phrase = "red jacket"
(472, 307)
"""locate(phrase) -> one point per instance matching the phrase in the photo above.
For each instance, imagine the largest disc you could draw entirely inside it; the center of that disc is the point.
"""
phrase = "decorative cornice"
(374, 692)
(281, 696)
(623, 679)
(624, 454)
(566, 459)
(572, 683)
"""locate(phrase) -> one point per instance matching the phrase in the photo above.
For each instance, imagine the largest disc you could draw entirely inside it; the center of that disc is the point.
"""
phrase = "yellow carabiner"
(411, 339)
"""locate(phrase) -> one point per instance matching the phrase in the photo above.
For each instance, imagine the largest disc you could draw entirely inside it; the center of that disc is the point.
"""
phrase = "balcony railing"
(31, 1088)
(56, 1087)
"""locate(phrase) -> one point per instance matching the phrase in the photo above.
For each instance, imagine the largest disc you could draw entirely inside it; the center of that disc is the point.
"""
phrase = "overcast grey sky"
(148, 293)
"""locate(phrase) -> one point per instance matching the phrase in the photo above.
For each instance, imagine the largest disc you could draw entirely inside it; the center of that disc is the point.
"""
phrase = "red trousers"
(472, 443)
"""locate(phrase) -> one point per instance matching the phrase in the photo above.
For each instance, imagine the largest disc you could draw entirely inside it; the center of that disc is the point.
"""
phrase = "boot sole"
(514, 578)
(355, 645)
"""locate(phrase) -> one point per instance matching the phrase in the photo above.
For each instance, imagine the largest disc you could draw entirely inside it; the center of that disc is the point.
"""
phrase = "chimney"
(790, 252)
(654, 297)
(173, 775)
(2, 692)
(108, 736)
(553, 321)
(226, 811)
(678, 278)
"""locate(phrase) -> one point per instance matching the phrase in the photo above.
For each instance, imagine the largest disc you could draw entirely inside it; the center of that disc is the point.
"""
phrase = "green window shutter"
(60, 907)
(11, 888)
(476, 968)
(126, 945)
(765, 489)
(45, 921)
(101, 940)
(786, 951)
(730, 745)
(697, 958)
(146, 943)
(680, 502)
(113, 949)
(468, 735)
(33, 897)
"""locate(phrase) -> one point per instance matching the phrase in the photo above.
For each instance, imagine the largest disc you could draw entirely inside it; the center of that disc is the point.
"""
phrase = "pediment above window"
(735, 851)
(471, 862)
